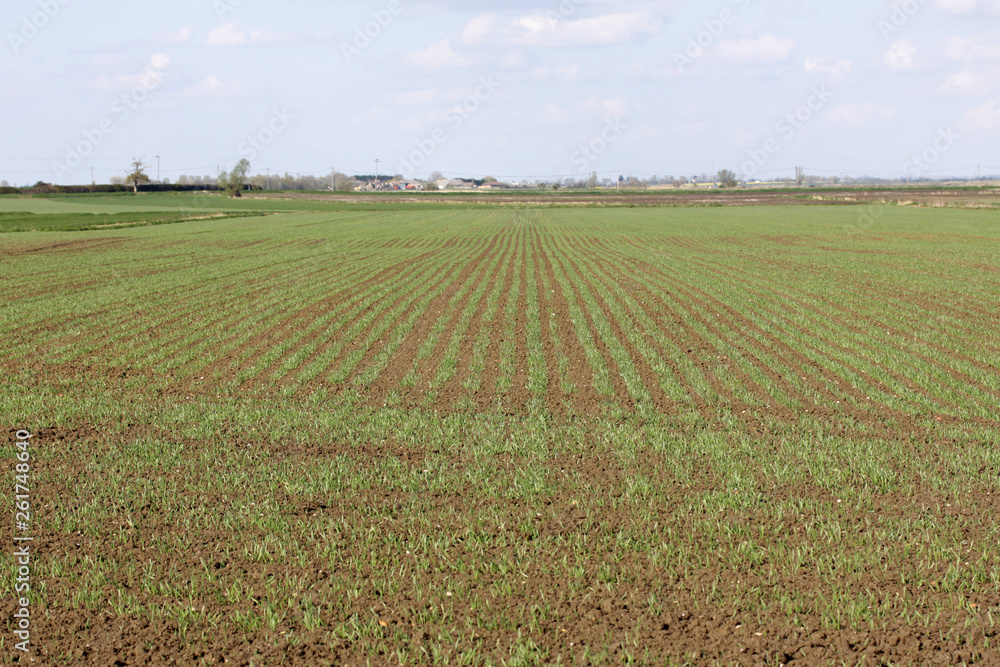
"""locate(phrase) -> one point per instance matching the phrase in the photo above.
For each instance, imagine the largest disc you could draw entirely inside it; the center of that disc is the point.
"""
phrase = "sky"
(522, 89)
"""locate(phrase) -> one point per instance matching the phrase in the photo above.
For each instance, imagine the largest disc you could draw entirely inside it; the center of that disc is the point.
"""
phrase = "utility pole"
(377, 161)
(157, 168)
(333, 178)
(267, 180)
(93, 182)
(977, 174)
(908, 169)
(619, 181)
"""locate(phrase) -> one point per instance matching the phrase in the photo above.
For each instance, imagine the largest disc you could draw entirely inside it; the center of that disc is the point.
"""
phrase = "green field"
(466, 434)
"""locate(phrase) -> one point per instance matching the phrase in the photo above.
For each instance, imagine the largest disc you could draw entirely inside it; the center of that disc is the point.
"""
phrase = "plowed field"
(509, 435)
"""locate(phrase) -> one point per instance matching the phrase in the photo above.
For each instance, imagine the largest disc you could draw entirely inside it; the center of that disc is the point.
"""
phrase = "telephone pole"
(377, 161)
(157, 168)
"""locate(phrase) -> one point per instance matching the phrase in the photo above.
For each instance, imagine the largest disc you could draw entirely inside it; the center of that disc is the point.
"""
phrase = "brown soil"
(933, 197)
(518, 553)
(686, 627)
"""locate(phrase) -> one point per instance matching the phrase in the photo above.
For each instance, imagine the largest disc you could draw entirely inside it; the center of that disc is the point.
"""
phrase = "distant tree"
(430, 186)
(592, 181)
(800, 175)
(234, 182)
(138, 174)
(117, 180)
(4, 184)
(726, 178)
(435, 176)
(346, 185)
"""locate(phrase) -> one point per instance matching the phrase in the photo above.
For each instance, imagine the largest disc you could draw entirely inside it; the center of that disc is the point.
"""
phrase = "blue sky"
(523, 89)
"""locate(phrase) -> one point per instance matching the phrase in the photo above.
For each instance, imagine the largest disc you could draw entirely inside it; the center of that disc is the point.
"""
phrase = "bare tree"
(800, 175)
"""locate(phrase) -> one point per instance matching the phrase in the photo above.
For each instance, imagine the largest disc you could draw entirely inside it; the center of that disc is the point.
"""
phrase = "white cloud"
(614, 107)
(860, 114)
(968, 81)
(157, 63)
(986, 116)
(111, 59)
(213, 86)
(835, 68)
(553, 113)
(174, 37)
(970, 7)
(766, 48)
(228, 34)
(611, 108)
(957, 6)
(437, 56)
(546, 73)
(515, 60)
(415, 98)
(901, 55)
(480, 29)
(547, 30)
(971, 49)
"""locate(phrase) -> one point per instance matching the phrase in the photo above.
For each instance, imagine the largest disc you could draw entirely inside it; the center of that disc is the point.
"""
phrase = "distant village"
(340, 182)
(440, 184)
